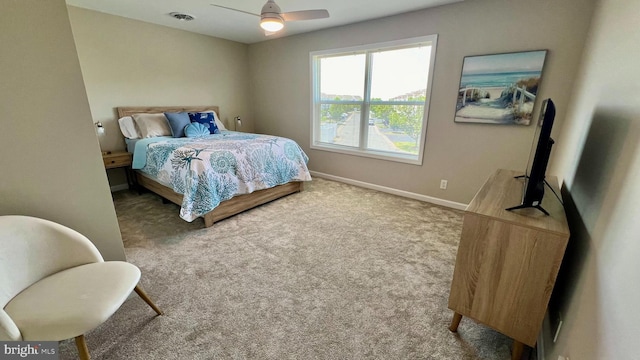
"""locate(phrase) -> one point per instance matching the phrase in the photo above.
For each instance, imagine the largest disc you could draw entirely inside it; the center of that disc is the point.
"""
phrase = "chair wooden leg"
(516, 352)
(455, 322)
(146, 299)
(83, 350)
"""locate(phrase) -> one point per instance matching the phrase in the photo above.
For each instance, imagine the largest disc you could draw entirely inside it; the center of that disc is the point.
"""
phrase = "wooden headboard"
(130, 110)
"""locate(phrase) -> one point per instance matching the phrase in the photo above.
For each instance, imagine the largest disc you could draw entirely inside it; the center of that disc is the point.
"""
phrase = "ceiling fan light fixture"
(271, 23)
(272, 18)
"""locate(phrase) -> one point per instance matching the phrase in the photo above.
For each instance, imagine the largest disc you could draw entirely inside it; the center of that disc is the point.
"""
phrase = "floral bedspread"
(214, 168)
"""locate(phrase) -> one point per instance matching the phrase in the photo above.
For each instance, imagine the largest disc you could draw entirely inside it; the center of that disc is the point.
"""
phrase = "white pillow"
(152, 125)
(219, 123)
(128, 128)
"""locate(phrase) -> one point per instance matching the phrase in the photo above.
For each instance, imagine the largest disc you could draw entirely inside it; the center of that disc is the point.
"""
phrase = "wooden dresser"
(508, 261)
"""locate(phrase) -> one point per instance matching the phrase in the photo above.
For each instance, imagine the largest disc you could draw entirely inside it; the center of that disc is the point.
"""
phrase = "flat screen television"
(534, 177)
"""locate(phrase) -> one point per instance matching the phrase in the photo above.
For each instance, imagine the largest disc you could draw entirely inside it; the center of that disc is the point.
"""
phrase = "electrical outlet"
(555, 337)
(443, 184)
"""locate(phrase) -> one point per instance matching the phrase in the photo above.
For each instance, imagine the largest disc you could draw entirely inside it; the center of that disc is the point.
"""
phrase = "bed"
(228, 200)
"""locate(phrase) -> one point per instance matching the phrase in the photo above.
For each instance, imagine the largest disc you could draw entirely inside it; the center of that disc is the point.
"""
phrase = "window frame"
(365, 104)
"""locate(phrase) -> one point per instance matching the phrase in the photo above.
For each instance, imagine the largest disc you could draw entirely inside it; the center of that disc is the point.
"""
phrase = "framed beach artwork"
(499, 88)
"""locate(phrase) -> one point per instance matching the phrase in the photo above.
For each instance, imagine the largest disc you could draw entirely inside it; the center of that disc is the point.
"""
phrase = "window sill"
(375, 154)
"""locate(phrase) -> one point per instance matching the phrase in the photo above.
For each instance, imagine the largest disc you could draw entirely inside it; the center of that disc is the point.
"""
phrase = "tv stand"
(507, 262)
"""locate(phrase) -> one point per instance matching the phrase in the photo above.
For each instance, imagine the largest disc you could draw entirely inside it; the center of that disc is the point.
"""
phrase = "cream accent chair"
(54, 284)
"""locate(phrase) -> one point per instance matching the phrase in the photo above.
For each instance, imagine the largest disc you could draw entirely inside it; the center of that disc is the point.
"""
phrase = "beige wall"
(51, 164)
(132, 63)
(465, 154)
(599, 157)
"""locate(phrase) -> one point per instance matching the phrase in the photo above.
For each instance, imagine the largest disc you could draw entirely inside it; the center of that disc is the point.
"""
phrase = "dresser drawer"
(116, 160)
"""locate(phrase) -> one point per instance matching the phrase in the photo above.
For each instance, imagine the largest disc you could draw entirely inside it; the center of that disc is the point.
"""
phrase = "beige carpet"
(335, 272)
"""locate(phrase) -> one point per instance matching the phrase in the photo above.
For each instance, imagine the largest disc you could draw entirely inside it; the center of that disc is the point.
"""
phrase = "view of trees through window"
(372, 99)
(400, 125)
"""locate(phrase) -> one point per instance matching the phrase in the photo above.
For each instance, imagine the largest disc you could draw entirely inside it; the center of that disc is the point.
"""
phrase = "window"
(373, 100)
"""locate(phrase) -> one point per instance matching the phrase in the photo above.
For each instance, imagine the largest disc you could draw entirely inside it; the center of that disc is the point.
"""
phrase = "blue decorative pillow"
(195, 129)
(177, 122)
(205, 119)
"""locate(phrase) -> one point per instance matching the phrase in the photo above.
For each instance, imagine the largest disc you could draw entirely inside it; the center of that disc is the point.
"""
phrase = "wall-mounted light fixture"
(237, 122)
(100, 129)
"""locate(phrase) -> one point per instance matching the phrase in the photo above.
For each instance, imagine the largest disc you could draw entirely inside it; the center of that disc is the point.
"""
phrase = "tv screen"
(534, 178)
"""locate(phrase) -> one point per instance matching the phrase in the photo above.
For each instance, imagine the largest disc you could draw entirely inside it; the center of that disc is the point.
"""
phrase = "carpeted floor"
(335, 272)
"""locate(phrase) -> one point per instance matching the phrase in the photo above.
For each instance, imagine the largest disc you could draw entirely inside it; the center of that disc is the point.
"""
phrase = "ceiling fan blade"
(305, 15)
(232, 9)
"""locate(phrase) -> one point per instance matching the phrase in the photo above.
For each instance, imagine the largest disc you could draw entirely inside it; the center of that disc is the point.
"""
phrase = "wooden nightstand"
(120, 159)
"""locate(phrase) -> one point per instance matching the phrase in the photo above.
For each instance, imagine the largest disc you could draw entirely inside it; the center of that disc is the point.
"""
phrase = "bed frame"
(226, 208)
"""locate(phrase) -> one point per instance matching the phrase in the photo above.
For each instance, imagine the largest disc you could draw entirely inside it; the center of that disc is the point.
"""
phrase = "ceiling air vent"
(182, 16)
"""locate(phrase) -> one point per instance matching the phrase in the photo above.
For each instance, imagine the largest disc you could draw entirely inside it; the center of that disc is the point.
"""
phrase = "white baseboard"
(120, 187)
(425, 198)
(407, 194)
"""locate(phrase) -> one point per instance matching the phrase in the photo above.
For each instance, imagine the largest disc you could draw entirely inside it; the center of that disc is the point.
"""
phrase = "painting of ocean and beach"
(499, 88)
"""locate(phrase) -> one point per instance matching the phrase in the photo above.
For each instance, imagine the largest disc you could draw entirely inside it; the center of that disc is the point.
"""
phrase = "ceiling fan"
(272, 18)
